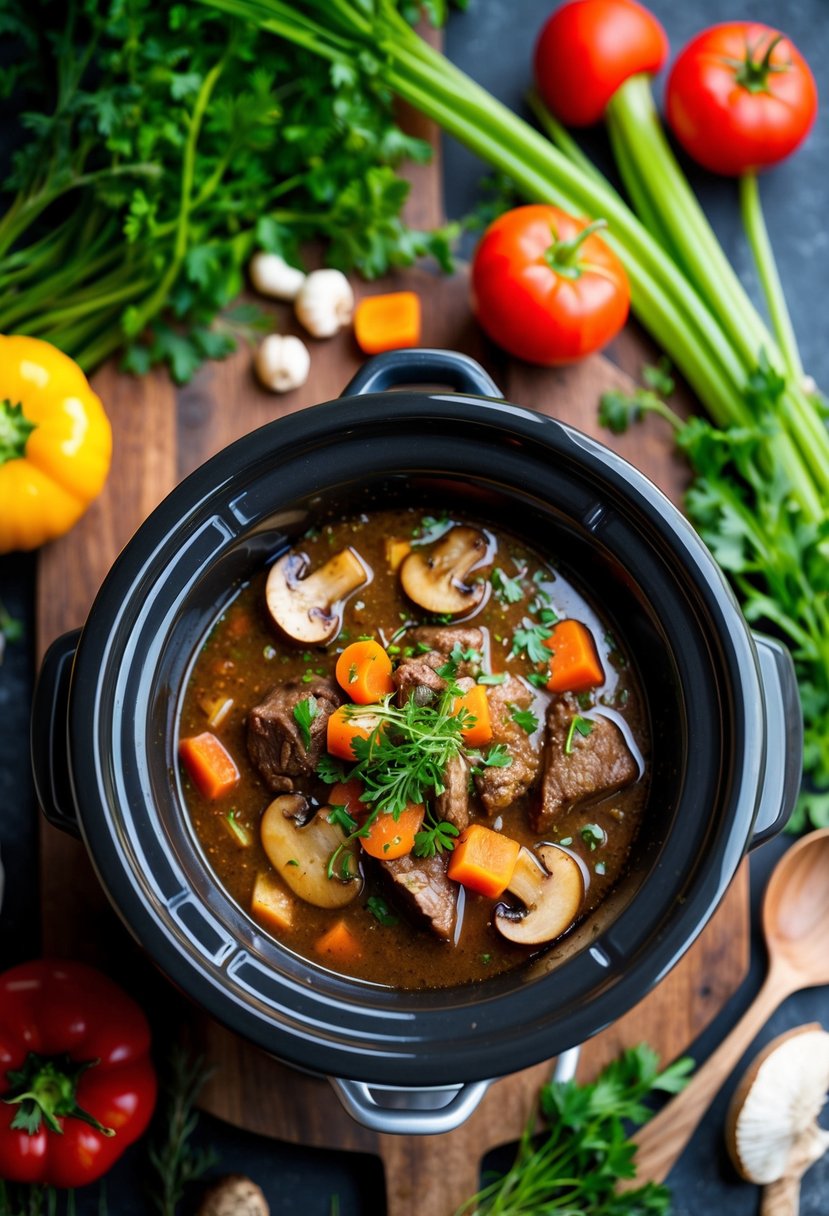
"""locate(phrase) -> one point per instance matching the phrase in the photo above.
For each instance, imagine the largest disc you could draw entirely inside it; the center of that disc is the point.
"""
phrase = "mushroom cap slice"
(308, 609)
(772, 1124)
(552, 893)
(301, 853)
(435, 578)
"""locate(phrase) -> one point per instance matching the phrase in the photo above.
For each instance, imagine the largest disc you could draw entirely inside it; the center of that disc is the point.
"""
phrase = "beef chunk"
(599, 763)
(498, 788)
(418, 678)
(443, 639)
(425, 889)
(453, 803)
(275, 743)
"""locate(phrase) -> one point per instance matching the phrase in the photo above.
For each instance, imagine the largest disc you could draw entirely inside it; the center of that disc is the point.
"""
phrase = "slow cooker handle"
(50, 754)
(429, 366)
(783, 742)
(428, 1111)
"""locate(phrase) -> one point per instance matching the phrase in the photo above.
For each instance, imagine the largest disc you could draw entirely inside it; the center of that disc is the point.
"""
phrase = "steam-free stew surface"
(244, 657)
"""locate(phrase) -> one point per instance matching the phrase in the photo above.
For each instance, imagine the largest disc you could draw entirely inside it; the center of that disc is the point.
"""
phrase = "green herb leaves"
(437, 836)
(578, 725)
(525, 718)
(185, 140)
(530, 638)
(575, 1166)
(304, 714)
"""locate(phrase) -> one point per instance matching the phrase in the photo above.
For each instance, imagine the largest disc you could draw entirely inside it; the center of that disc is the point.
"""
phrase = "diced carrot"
(475, 703)
(364, 671)
(574, 664)
(388, 837)
(209, 765)
(339, 943)
(271, 904)
(396, 550)
(484, 860)
(344, 726)
(348, 794)
(387, 322)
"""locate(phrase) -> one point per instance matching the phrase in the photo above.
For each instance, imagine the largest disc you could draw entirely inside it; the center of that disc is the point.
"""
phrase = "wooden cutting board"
(161, 434)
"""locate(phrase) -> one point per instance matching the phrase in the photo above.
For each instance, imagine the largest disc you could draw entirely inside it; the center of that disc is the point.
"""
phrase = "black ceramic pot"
(723, 708)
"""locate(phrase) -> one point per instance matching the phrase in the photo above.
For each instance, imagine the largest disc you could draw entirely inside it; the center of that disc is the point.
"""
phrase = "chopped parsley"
(304, 714)
(507, 590)
(525, 718)
(352, 673)
(578, 725)
(339, 816)
(493, 678)
(330, 770)
(592, 835)
(530, 639)
(539, 679)
(379, 909)
(600, 868)
(437, 836)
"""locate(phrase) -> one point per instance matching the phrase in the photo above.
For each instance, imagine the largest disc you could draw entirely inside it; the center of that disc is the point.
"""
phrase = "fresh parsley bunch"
(158, 146)
(572, 1169)
(743, 506)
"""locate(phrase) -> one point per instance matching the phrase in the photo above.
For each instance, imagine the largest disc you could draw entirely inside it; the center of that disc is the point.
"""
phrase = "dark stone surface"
(493, 42)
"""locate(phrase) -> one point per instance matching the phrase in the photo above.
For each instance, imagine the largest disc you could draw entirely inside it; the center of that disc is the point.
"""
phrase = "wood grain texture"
(160, 436)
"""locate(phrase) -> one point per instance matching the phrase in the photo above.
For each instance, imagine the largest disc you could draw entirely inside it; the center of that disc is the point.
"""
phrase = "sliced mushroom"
(307, 610)
(436, 578)
(552, 893)
(772, 1128)
(300, 852)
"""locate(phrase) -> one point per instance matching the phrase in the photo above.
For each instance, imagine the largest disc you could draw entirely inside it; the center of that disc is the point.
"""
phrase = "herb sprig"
(744, 507)
(576, 1164)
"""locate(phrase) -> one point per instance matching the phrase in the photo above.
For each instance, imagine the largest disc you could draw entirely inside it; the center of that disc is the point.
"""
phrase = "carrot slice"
(388, 837)
(209, 765)
(339, 943)
(475, 702)
(271, 904)
(387, 322)
(484, 860)
(344, 726)
(348, 794)
(574, 664)
(364, 671)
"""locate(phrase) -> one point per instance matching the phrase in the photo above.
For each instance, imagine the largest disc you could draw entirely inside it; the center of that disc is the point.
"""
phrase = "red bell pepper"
(77, 1085)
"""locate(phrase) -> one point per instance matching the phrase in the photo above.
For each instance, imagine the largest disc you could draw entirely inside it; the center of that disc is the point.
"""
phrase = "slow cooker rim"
(205, 483)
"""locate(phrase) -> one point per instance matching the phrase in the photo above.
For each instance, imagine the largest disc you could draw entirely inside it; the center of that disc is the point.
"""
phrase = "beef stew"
(383, 695)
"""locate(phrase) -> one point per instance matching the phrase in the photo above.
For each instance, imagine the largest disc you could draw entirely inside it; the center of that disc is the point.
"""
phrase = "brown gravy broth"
(243, 658)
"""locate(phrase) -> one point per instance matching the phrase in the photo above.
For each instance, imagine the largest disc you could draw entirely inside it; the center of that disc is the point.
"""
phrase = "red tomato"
(70, 1036)
(542, 294)
(737, 99)
(587, 49)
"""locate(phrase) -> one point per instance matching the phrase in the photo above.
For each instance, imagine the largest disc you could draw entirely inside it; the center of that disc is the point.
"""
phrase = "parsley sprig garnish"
(576, 1164)
(437, 836)
(406, 755)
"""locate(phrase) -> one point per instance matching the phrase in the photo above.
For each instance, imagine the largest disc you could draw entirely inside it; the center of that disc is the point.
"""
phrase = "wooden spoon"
(796, 929)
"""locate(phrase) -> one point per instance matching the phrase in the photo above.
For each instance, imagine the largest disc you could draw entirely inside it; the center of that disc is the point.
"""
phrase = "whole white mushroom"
(282, 362)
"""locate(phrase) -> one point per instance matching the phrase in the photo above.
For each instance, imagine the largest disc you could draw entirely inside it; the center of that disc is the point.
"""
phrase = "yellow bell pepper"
(55, 443)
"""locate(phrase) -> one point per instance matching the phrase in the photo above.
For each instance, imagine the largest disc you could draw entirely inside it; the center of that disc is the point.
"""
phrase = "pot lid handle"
(396, 368)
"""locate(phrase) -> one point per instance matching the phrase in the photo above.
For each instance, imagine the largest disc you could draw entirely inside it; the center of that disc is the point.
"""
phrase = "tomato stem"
(758, 238)
(15, 430)
(753, 74)
(562, 256)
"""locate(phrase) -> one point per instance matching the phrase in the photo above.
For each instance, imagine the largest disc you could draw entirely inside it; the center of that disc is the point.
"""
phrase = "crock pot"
(723, 707)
